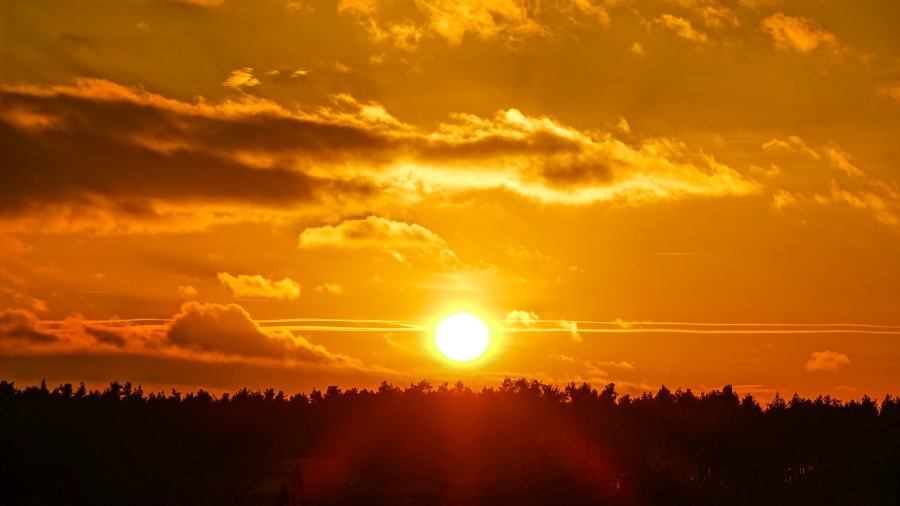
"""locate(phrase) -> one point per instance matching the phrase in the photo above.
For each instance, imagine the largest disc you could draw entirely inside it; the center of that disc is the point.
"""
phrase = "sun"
(462, 337)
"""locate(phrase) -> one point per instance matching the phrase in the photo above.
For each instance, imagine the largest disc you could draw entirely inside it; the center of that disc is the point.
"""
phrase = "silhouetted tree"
(521, 442)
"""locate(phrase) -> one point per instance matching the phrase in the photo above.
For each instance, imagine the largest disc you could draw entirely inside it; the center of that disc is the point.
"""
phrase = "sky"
(291, 194)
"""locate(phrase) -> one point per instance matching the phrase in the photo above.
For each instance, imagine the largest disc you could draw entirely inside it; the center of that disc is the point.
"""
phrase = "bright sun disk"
(462, 337)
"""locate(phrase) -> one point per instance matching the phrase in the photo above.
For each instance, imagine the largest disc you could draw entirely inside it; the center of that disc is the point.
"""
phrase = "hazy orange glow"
(293, 193)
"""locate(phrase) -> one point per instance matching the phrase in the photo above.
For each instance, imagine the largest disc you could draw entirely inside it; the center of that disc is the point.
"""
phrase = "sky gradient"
(281, 193)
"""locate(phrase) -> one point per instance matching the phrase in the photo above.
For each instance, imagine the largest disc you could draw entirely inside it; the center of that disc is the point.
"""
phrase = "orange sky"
(183, 180)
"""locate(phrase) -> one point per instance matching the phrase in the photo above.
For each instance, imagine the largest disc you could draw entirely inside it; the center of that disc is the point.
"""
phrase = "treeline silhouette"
(524, 442)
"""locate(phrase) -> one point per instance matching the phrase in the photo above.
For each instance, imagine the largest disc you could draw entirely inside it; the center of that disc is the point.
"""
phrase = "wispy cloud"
(572, 328)
(841, 159)
(797, 33)
(682, 28)
(794, 144)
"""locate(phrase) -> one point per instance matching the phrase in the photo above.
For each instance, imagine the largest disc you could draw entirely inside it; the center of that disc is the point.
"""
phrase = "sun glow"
(462, 337)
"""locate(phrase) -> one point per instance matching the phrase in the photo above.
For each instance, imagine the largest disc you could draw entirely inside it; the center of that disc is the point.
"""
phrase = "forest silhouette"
(523, 442)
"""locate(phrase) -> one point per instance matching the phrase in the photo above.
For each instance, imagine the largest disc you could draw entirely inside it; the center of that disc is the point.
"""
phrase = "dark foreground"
(522, 443)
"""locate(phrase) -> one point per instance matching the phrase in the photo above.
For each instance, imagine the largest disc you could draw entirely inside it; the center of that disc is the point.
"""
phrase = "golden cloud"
(826, 361)
(198, 3)
(452, 20)
(223, 329)
(714, 14)
(332, 288)
(782, 199)
(840, 159)
(523, 318)
(108, 158)
(681, 27)
(229, 330)
(198, 332)
(881, 199)
(794, 144)
(258, 286)
(573, 328)
(21, 297)
(187, 291)
(891, 90)
(241, 77)
(373, 231)
(797, 33)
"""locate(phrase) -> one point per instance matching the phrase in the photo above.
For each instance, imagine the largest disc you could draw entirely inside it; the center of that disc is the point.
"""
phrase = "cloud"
(370, 232)
(332, 288)
(541, 159)
(523, 318)
(450, 19)
(394, 255)
(826, 361)
(797, 33)
(298, 6)
(257, 286)
(105, 336)
(21, 297)
(512, 21)
(106, 158)
(714, 14)
(229, 330)
(198, 3)
(78, 41)
(562, 358)
(187, 291)
(388, 337)
(782, 199)
(21, 325)
(573, 328)
(757, 3)
(242, 77)
(882, 199)
(839, 158)
(198, 332)
(223, 329)
(681, 27)
(621, 364)
(622, 323)
(891, 90)
(794, 144)
(111, 159)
